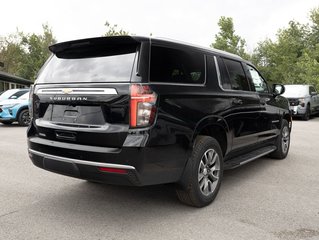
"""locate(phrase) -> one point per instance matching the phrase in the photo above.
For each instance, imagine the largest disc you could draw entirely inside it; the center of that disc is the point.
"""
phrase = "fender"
(20, 110)
(212, 120)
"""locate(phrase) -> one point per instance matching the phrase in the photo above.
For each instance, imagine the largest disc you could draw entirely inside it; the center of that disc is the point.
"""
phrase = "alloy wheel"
(285, 138)
(209, 172)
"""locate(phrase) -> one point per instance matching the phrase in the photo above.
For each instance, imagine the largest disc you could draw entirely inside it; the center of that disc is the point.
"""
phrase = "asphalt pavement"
(266, 199)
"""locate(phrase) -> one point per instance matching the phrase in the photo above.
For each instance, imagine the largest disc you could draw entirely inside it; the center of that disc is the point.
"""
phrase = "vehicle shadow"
(139, 203)
(12, 125)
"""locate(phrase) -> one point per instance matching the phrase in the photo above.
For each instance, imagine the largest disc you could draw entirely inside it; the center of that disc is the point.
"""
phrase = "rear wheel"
(24, 118)
(200, 186)
(283, 142)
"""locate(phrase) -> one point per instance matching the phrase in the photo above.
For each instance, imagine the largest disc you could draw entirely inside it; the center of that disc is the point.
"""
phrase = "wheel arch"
(288, 117)
(20, 110)
(214, 126)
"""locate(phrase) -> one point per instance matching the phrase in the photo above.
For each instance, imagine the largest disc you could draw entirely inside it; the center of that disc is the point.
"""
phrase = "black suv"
(141, 111)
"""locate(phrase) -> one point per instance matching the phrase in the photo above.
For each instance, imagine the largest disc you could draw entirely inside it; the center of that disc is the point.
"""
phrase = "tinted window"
(19, 93)
(176, 66)
(115, 66)
(259, 83)
(24, 96)
(236, 75)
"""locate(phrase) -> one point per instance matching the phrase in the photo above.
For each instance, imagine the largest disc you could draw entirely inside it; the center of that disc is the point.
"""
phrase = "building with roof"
(9, 81)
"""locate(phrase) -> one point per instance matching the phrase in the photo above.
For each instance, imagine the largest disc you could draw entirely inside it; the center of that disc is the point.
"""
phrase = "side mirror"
(278, 89)
(313, 93)
(13, 97)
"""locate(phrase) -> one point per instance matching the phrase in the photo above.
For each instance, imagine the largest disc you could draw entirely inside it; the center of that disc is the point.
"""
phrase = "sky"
(193, 21)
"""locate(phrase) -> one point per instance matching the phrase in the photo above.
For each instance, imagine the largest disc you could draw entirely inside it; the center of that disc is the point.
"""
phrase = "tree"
(293, 57)
(36, 52)
(24, 54)
(277, 59)
(11, 53)
(112, 30)
(227, 40)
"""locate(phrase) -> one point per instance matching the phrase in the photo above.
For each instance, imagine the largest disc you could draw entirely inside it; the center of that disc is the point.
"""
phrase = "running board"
(248, 157)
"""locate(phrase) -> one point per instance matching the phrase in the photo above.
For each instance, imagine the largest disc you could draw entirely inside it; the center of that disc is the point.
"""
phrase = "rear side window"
(176, 66)
(236, 75)
(93, 65)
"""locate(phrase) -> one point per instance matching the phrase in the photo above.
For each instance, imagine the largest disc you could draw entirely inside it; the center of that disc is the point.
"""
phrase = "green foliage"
(11, 53)
(24, 54)
(227, 40)
(112, 30)
(294, 56)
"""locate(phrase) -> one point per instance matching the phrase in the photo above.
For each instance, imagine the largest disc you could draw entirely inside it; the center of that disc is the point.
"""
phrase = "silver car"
(303, 100)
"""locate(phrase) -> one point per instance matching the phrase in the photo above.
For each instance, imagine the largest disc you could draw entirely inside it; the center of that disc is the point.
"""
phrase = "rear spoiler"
(94, 45)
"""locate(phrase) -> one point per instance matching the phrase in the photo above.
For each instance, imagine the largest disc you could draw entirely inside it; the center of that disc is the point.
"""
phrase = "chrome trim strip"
(258, 156)
(71, 146)
(76, 91)
(83, 162)
(218, 73)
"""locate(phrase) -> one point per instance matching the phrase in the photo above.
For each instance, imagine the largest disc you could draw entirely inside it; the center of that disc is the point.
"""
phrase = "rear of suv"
(141, 111)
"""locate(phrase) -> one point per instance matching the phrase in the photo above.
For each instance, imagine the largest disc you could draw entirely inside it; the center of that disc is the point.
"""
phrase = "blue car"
(15, 110)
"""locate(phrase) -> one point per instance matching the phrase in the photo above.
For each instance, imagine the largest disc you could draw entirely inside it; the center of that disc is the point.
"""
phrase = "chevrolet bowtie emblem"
(67, 91)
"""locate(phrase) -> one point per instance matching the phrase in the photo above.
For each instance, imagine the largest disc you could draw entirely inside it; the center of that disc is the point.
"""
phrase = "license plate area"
(90, 115)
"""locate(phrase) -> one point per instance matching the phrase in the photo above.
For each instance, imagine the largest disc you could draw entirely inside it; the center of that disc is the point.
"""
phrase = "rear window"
(113, 65)
(177, 66)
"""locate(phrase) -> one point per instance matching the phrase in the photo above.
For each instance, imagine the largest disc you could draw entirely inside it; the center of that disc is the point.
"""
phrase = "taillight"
(143, 106)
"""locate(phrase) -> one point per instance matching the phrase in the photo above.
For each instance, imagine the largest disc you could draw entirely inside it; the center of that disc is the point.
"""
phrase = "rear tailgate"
(84, 115)
(82, 94)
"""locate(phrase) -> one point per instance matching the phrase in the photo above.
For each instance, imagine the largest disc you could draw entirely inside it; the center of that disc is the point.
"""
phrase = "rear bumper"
(141, 165)
(84, 169)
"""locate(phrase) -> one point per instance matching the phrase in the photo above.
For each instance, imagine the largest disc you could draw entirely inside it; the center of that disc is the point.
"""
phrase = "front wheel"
(24, 118)
(282, 142)
(202, 182)
(307, 114)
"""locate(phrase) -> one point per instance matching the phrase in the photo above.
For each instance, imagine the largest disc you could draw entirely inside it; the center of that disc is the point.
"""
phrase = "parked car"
(15, 110)
(303, 100)
(140, 111)
(13, 93)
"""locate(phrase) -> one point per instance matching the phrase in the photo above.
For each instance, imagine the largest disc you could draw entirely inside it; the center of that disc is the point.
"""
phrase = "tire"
(201, 183)
(6, 122)
(24, 118)
(282, 142)
(307, 114)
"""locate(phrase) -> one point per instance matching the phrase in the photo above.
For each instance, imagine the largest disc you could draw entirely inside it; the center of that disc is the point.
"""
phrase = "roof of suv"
(64, 46)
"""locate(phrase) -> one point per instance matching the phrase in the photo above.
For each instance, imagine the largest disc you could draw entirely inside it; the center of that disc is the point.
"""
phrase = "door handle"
(237, 101)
